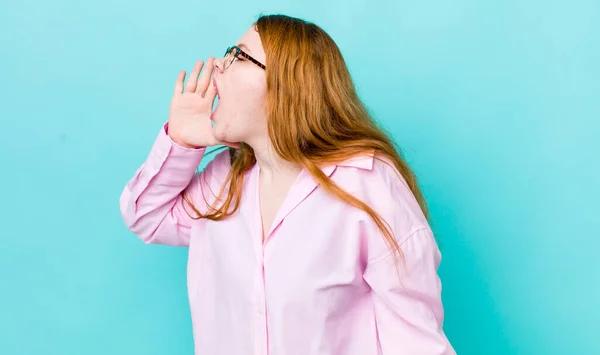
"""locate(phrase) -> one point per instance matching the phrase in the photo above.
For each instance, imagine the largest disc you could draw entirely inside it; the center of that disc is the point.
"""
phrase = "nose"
(219, 64)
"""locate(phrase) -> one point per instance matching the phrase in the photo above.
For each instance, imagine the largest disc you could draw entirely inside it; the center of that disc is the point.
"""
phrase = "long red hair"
(315, 117)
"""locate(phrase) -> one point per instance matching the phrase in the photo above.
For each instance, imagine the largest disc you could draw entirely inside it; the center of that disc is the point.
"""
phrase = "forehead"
(250, 43)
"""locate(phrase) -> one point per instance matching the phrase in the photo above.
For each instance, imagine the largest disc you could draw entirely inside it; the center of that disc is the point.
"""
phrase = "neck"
(273, 167)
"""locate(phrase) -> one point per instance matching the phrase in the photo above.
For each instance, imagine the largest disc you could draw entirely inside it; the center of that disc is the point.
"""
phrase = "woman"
(310, 235)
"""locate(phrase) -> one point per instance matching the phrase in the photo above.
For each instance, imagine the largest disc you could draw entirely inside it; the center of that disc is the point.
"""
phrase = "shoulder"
(375, 180)
(374, 174)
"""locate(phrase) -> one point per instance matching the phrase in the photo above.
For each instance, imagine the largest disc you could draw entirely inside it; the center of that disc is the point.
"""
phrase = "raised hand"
(189, 114)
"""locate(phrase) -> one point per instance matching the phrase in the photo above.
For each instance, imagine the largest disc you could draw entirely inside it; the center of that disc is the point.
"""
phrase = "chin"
(222, 132)
(218, 132)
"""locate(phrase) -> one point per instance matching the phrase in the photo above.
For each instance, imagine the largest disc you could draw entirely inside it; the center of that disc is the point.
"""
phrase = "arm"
(151, 203)
(408, 309)
(405, 291)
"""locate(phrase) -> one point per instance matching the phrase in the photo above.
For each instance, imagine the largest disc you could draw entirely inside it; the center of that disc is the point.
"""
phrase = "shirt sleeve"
(407, 298)
(152, 204)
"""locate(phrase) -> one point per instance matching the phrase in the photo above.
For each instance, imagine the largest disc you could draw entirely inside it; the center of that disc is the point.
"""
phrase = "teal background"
(495, 103)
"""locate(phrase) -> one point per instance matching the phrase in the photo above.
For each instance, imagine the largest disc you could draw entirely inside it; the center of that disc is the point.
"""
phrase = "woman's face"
(240, 115)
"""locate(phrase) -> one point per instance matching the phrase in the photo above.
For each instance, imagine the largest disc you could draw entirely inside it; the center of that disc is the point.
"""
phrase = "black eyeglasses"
(234, 52)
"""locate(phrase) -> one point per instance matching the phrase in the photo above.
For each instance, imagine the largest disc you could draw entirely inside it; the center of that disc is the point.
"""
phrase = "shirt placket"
(261, 345)
(260, 316)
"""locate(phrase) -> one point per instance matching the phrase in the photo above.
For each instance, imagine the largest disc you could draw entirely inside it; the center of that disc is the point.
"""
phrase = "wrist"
(184, 144)
(175, 140)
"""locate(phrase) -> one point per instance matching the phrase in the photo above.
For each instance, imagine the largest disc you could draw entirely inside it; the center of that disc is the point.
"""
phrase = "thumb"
(211, 92)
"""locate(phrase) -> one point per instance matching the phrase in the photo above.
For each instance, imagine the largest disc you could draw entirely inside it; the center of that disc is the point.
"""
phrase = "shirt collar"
(364, 161)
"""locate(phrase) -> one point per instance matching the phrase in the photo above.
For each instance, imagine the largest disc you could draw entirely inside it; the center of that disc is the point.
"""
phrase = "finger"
(211, 93)
(179, 82)
(206, 76)
(193, 79)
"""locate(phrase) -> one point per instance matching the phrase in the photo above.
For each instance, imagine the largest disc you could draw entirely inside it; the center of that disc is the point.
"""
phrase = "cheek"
(242, 112)
(245, 106)
(250, 96)
(256, 103)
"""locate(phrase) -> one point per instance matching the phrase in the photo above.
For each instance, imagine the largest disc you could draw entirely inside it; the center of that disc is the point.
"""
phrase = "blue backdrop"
(496, 105)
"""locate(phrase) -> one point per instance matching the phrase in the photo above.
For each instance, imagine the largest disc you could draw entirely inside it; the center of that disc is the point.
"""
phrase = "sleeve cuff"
(178, 162)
